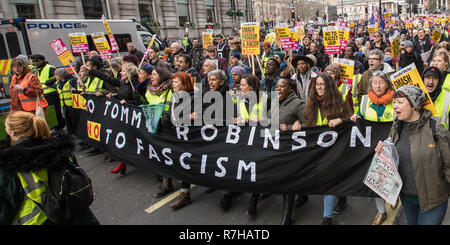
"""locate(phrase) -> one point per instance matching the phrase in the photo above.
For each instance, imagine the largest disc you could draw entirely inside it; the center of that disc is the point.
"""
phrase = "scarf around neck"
(161, 88)
(385, 99)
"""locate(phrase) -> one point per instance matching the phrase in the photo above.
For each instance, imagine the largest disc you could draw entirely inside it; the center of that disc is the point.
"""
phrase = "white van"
(33, 36)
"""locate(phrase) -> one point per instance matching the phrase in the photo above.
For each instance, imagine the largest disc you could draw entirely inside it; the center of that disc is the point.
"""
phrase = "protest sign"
(250, 38)
(331, 40)
(102, 45)
(347, 70)
(410, 76)
(62, 52)
(207, 38)
(383, 178)
(112, 39)
(395, 48)
(284, 35)
(301, 32)
(249, 157)
(372, 29)
(79, 42)
(270, 38)
(425, 56)
(344, 34)
(295, 38)
(436, 37)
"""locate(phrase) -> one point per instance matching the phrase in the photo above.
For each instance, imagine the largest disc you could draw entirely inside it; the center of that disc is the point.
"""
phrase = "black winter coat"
(408, 58)
(32, 155)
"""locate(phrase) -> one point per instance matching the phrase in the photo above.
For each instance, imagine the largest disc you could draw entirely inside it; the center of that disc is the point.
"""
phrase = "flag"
(372, 19)
(382, 19)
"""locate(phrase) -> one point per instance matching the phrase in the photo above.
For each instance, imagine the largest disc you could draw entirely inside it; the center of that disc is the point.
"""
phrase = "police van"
(33, 36)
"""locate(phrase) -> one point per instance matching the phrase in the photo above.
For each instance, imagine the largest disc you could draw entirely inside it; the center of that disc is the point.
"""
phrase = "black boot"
(340, 206)
(288, 204)
(253, 204)
(301, 200)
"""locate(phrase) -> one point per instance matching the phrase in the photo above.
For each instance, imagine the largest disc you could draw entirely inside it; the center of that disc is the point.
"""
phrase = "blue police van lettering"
(46, 26)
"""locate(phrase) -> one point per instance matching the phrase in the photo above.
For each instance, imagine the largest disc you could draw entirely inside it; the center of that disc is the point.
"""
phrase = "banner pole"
(253, 65)
(260, 67)
(82, 58)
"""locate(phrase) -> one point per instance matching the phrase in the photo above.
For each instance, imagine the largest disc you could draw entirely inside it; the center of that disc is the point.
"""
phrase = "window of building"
(146, 11)
(182, 12)
(247, 12)
(94, 9)
(27, 11)
(210, 11)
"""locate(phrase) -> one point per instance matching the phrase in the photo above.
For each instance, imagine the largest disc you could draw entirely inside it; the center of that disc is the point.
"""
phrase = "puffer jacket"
(430, 159)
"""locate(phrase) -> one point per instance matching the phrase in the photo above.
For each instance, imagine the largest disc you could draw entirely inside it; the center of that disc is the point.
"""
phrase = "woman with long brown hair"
(325, 106)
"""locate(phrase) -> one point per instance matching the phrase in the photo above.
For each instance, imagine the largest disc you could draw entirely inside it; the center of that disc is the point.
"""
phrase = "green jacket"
(430, 159)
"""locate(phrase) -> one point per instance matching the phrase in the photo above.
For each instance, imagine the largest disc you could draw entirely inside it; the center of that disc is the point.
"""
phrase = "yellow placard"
(100, 42)
(270, 38)
(436, 36)
(347, 69)
(207, 39)
(410, 76)
(250, 38)
(372, 28)
(396, 51)
(93, 130)
(282, 32)
(301, 32)
(74, 40)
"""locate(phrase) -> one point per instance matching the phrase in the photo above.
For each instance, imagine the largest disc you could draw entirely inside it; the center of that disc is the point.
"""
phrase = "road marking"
(164, 201)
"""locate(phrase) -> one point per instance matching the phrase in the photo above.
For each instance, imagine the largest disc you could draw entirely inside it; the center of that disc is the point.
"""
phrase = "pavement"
(128, 200)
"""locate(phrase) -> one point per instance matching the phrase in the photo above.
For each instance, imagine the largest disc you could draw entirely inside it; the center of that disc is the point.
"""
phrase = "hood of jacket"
(35, 154)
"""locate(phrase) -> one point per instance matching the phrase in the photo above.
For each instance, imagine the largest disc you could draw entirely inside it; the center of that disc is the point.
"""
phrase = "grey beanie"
(408, 44)
(415, 95)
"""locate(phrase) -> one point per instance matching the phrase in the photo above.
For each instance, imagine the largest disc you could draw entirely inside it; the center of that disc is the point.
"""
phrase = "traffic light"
(293, 15)
(399, 9)
(415, 10)
(367, 9)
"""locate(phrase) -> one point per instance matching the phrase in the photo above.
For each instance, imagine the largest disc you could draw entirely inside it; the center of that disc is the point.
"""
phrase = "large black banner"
(318, 160)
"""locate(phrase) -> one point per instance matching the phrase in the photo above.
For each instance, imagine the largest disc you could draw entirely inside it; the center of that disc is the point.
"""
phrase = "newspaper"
(426, 55)
(383, 177)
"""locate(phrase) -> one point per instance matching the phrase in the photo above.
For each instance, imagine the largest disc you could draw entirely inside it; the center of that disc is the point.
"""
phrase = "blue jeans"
(414, 216)
(328, 205)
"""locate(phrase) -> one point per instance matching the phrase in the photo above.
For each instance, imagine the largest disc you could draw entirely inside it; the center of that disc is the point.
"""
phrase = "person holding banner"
(181, 86)
(269, 82)
(94, 85)
(290, 109)
(144, 78)
(377, 106)
(325, 106)
(159, 91)
(424, 158)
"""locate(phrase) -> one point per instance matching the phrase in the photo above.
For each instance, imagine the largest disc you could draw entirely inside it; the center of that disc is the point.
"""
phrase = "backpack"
(69, 192)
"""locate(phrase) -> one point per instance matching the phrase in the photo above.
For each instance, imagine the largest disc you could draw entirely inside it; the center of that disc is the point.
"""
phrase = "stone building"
(167, 17)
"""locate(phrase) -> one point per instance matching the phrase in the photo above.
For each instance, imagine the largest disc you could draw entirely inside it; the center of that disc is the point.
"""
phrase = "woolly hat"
(266, 45)
(147, 68)
(335, 69)
(408, 43)
(236, 54)
(239, 70)
(281, 54)
(414, 95)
